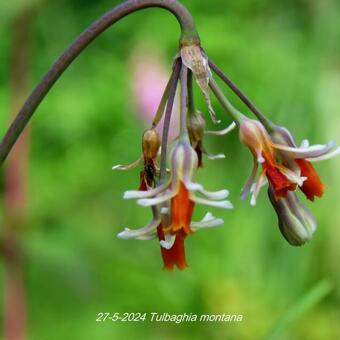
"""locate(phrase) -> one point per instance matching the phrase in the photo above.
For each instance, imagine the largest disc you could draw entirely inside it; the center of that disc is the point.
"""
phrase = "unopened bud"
(196, 127)
(253, 134)
(296, 222)
(151, 143)
(194, 59)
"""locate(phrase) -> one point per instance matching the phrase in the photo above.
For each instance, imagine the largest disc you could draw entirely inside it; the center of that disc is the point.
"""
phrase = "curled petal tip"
(208, 216)
(227, 205)
(253, 201)
(193, 186)
(129, 166)
(130, 194)
(144, 202)
(304, 143)
(124, 234)
(217, 156)
(208, 221)
(327, 155)
(168, 242)
(216, 195)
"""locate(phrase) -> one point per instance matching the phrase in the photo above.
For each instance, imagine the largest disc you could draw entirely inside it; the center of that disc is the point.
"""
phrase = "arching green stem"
(188, 36)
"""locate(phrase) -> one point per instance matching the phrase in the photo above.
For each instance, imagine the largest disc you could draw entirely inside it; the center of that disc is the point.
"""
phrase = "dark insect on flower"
(150, 146)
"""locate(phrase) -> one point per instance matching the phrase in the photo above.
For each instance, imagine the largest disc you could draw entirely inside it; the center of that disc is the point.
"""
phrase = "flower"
(284, 165)
(173, 204)
(296, 222)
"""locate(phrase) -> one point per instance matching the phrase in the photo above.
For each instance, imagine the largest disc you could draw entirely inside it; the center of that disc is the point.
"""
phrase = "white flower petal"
(312, 151)
(221, 132)
(304, 144)
(145, 194)
(208, 221)
(259, 184)
(146, 202)
(207, 217)
(165, 210)
(215, 195)
(218, 204)
(168, 242)
(129, 166)
(192, 186)
(146, 233)
(326, 156)
(214, 157)
(247, 187)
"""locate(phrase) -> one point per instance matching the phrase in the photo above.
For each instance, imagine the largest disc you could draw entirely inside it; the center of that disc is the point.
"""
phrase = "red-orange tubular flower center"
(181, 213)
(281, 184)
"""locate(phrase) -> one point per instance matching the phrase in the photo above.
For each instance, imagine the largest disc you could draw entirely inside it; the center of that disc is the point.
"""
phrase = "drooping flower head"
(284, 165)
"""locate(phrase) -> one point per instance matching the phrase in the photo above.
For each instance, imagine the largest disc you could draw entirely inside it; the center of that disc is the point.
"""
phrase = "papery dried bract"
(194, 59)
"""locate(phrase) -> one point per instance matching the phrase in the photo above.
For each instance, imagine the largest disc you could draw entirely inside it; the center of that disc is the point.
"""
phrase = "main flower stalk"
(189, 36)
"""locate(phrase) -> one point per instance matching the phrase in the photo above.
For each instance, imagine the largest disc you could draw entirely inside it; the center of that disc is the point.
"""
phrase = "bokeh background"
(284, 54)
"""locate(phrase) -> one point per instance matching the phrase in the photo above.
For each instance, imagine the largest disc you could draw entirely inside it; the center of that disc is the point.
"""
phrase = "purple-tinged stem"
(184, 101)
(167, 117)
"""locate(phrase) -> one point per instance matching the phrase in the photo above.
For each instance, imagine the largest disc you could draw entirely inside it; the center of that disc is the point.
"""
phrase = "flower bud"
(151, 143)
(254, 135)
(296, 222)
(196, 127)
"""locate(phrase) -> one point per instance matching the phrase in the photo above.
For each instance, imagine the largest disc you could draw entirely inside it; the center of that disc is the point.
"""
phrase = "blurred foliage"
(286, 56)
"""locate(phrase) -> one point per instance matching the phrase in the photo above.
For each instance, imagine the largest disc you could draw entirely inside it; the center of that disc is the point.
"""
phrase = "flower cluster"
(173, 193)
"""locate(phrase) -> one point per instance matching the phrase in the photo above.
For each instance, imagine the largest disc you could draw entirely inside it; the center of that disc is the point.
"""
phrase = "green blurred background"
(286, 57)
